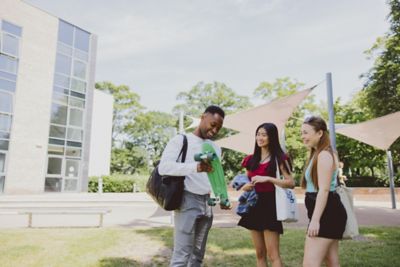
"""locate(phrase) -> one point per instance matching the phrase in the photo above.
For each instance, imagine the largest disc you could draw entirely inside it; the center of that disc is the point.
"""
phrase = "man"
(193, 219)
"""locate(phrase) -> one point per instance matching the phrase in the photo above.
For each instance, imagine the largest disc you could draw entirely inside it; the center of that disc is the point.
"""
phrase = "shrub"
(118, 183)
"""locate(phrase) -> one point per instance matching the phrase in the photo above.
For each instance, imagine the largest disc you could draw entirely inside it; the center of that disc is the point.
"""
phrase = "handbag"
(167, 191)
(286, 202)
(346, 197)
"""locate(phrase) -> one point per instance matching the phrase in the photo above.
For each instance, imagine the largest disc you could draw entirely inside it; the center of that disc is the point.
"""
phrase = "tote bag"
(346, 197)
(286, 202)
(167, 191)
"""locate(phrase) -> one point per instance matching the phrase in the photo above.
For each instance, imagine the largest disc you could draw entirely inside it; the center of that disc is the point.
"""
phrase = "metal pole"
(332, 132)
(181, 131)
(391, 178)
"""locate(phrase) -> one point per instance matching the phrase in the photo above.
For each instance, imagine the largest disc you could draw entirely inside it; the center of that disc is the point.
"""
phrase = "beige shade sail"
(246, 122)
(381, 132)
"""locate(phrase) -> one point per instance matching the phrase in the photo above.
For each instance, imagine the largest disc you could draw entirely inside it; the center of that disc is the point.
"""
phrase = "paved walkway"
(138, 210)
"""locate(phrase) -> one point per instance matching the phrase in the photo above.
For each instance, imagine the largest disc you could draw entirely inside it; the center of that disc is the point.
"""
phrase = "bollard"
(134, 188)
(100, 184)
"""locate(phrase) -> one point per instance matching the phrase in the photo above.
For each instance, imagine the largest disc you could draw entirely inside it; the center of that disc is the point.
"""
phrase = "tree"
(381, 93)
(200, 96)
(382, 86)
(126, 107)
(151, 131)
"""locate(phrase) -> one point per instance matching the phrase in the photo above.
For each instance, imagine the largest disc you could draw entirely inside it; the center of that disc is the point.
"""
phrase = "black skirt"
(263, 215)
(333, 220)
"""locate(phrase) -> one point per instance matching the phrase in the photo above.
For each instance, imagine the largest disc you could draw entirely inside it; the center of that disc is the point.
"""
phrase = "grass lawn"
(112, 247)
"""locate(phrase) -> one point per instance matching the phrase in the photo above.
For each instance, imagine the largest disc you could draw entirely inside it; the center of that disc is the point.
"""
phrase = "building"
(47, 69)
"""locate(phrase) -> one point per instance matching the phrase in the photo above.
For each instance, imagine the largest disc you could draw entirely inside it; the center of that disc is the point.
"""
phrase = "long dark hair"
(275, 150)
(318, 124)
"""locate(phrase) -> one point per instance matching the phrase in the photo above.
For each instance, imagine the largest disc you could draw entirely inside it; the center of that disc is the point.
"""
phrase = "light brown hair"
(318, 124)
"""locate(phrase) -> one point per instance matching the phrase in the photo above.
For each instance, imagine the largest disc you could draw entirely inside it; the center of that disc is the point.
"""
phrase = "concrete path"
(138, 210)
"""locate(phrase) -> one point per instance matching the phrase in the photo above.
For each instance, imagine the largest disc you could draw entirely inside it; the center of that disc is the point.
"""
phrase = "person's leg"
(201, 229)
(272, 246)
(183, 243)
(315, 250)
(259, 245)
(332, 257)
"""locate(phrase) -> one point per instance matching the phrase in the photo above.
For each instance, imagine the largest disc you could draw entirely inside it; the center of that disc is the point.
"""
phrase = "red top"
(260, 187)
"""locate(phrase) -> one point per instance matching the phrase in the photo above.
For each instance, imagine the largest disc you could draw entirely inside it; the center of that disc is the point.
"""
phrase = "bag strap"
(183, 150)
(278, 173)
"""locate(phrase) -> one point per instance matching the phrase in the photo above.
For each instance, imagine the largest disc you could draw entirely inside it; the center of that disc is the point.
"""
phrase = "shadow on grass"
(119, 262)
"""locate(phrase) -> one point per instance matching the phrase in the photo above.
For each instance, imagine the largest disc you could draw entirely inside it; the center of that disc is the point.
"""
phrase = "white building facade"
(47, 68)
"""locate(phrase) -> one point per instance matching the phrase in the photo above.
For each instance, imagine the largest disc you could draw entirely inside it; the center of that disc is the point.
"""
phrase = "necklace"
(263, 160)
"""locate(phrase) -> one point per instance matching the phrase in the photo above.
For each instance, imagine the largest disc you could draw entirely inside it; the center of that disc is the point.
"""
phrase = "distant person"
(324, 208)
(342, 178)
(261, 169)
(194, 218)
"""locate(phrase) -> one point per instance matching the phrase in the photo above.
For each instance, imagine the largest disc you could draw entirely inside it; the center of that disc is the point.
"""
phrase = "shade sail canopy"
(246, 122)
(381, 132)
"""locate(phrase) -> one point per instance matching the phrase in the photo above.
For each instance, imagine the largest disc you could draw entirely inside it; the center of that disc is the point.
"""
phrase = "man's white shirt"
(195, 182)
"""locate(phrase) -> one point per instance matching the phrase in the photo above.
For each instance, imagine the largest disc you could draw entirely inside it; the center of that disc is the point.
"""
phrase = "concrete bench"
(58, 211)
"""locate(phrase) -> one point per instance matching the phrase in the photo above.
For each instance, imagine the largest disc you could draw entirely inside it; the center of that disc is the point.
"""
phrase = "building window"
(10, 35)
(68, 109)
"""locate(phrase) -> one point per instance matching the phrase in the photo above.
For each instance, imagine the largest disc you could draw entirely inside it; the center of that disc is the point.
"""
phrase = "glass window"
(60, 90)
(81, 55)
(8, 76)
(77, 85)
(2, 181)
(77, 94)
(57, 131)
(81, 39)
(60, 98)
(56, 150)
(2, 162)
(75, 102)
(11, 28)
(80, 69)
(7, 85)
(3, 144)
(6, 102)
(61, 80)
(64, 49)
(56, 141)
(4, 135)
(65, 32)
(8, 64)
(73, 152)
(54, 165)
(76, 117)
(63, 64)
(70, 184)
(72, 168)
(10, 45)
(58, 114)
(74, 134)
(52, 185)
(75, 144)
(5, 122)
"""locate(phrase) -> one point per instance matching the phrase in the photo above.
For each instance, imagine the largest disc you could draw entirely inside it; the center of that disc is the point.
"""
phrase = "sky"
(160, 48)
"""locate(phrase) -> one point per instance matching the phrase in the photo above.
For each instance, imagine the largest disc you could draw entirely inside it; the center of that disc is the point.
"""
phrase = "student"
(325, 210)
(194, 218)
(261, 169)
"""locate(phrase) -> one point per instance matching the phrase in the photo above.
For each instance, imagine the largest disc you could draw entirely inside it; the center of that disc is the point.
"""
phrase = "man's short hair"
(215, 109)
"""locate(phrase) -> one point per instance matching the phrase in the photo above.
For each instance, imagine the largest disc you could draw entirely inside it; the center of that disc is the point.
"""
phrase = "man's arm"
(168, 164)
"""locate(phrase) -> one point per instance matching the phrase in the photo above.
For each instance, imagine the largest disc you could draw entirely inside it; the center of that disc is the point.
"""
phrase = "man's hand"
(204, 166)
(223, 207)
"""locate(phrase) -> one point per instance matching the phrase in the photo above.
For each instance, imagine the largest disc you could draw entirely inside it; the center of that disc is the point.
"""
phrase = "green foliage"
(128, 160)
(281, 87)
(231, 162)
(151, 132)
(118, 183)
(200, 96)
(382, 86)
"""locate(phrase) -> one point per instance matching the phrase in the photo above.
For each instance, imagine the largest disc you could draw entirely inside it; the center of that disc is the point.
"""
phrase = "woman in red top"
(261, 169)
